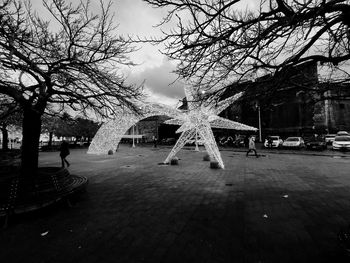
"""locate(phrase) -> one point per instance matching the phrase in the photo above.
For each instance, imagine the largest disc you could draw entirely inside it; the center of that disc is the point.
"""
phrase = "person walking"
(269, 142)
(155, 142)
(64, 152)
(252, 147)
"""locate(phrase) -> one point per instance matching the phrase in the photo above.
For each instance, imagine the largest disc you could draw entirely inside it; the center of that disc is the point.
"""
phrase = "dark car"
(316, 143)
(330, 138)
(239, 141)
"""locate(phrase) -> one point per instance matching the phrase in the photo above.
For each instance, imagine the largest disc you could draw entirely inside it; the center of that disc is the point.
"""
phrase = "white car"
(343, 133)
(294, 142)
(276, 141)
(341, 143)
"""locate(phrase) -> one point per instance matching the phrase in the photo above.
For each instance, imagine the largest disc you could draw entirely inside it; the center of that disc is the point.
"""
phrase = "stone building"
(292, 103)
(334, 114)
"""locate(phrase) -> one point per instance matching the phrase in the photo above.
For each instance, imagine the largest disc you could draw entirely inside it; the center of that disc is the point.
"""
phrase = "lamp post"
(260, 139)
(138, 132)
(133, 136)
(257, 106)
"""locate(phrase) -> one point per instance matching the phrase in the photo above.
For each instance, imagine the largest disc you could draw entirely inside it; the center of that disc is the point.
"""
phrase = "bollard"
(206, 158)
(174, 161)
(214, 165)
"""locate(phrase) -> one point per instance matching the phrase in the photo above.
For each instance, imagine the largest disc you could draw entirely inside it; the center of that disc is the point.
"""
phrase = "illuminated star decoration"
(200, 118)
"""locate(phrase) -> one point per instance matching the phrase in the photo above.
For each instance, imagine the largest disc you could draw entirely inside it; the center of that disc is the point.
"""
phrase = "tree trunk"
(5, 137)
(50, 139)
(30, 147)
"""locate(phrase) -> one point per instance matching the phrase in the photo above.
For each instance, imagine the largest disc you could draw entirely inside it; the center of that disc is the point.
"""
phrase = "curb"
(295, 153)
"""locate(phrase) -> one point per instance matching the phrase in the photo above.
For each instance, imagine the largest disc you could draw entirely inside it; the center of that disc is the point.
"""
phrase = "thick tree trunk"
(5, 137)
(30, 147)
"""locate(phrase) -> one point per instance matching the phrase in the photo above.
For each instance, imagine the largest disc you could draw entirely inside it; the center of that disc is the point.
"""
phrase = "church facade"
(293, 105)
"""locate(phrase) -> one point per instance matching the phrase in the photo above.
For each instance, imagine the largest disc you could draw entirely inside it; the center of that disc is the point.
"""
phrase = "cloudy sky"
(136, 18)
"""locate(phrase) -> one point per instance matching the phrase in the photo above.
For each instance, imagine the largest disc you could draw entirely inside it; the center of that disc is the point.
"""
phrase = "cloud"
(136, 17)
(159, 81)
(159, 98)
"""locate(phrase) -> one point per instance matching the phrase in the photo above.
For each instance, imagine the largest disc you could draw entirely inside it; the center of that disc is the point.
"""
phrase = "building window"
(341, 106)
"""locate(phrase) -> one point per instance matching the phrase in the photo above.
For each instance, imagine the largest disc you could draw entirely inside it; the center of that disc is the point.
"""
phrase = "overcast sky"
(136, 18)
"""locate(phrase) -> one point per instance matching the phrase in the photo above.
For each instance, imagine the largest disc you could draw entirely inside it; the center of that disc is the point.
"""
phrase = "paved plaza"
(276, 208)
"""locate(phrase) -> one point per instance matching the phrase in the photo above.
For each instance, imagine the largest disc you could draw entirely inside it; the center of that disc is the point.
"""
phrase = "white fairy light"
(198, 120)
(201, 118)
(109, 135)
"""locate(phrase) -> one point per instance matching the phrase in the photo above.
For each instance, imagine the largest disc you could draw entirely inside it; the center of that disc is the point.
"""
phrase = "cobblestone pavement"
(277, 208)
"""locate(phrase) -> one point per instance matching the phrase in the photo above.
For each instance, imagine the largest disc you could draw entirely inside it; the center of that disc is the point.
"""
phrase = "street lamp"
(257, 106)
(133, 136)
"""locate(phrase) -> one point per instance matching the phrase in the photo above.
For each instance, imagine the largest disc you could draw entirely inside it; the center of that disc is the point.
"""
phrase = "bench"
(24, 194)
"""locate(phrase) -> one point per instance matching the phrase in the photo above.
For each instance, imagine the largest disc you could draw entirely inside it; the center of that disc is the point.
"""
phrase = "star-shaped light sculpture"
(199, 119)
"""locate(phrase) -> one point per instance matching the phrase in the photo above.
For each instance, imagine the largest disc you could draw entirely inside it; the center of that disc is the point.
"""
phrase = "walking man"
(64, 152)
(252, 146)
(155, 142)
(269, 142)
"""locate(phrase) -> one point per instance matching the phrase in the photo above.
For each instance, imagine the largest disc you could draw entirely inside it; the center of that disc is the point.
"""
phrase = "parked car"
(341, 143)
(193, 141)
(276, 141)
(168, 141)
(316, 143)
(293, 142)
(329, 138)
(342, 133)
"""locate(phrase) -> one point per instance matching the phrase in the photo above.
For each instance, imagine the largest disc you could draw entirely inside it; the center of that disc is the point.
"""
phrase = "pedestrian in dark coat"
(155, 142)
(64, 152)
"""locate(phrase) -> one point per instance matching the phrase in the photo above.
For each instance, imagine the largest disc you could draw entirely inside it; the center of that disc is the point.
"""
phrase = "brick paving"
(277, 208)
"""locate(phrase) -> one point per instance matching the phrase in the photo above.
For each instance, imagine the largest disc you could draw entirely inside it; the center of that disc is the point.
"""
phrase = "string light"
(109, 135)
(198, 119)
(201, 118)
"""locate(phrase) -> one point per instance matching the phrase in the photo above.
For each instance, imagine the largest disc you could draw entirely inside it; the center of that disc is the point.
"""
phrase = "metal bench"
(24, 194)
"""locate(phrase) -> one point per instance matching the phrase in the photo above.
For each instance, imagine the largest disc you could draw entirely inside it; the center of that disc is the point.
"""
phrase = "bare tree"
(221, 41)
(72, 60)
